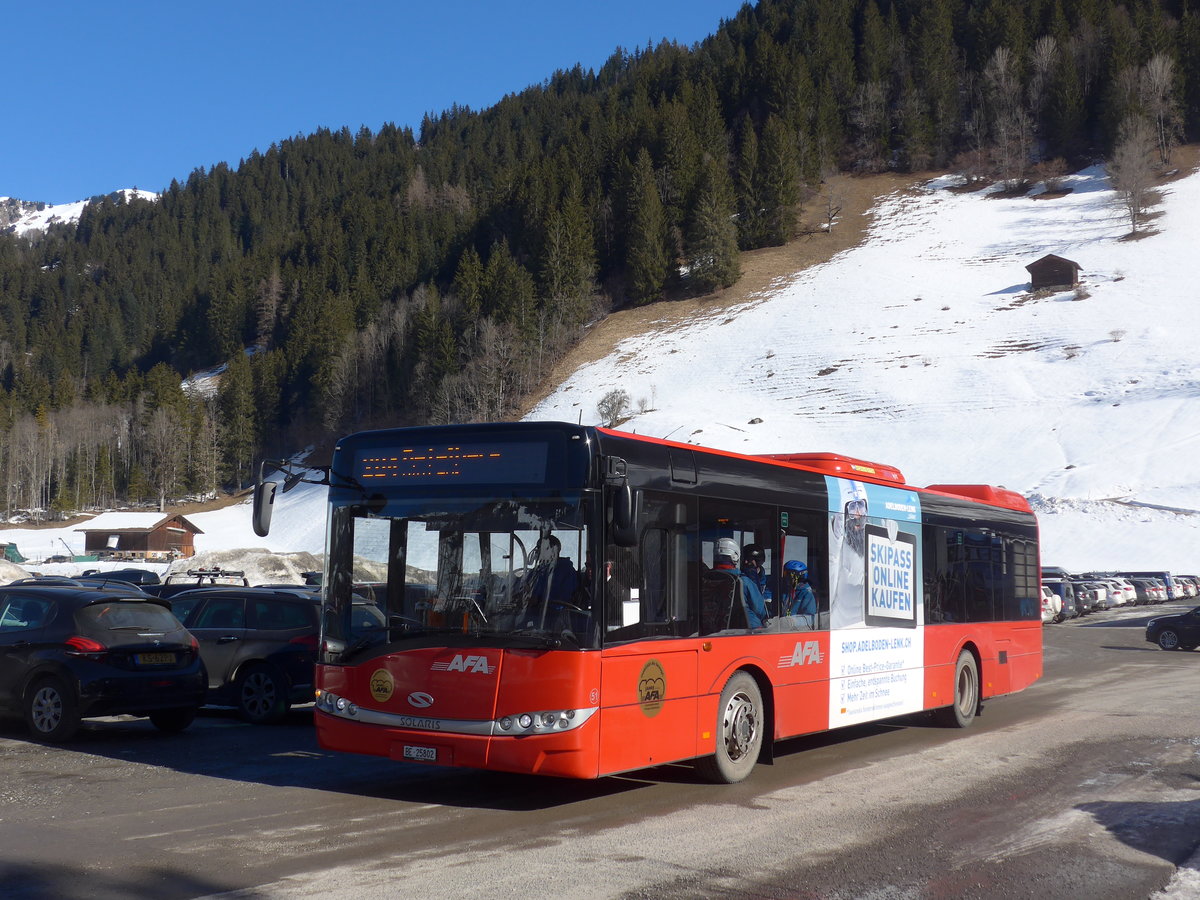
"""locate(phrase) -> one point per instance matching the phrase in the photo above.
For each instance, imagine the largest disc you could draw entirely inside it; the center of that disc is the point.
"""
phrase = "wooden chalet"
(128, 535)
(1053, 272)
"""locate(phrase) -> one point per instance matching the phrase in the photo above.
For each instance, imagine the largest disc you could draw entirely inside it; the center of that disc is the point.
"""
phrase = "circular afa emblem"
(652, 688)
(382, 685)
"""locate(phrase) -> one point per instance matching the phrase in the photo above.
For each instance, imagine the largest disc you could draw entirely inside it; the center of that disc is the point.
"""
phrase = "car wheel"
(262, 695)
(1168, 639)
(50, 710)
(172, 721)
(962, 712)
(739, 732)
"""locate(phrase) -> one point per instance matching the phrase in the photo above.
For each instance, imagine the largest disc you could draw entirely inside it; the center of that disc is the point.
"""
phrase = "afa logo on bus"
(461, 663)
(806, 653)
(652, 688)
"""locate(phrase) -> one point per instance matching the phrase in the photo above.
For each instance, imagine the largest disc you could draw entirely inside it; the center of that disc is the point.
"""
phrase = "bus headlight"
(543, 721)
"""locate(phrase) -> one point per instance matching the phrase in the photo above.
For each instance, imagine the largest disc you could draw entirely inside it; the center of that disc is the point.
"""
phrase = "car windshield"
(118, 622)
(501, 572)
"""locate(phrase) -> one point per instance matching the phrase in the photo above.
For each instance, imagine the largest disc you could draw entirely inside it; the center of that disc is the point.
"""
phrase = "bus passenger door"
(648, 665)
(648, 714)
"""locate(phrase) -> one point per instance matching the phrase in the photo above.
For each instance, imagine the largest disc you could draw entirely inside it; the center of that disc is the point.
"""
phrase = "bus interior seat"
(721, 604)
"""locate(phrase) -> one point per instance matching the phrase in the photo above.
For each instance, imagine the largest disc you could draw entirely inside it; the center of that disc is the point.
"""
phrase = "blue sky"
(103, 96)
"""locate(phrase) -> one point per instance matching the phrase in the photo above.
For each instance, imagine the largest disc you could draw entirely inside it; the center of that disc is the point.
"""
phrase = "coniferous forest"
(353, 280)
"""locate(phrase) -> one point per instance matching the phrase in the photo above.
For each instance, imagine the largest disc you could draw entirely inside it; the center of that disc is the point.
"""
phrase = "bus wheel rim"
(966, 690)
(741, 726)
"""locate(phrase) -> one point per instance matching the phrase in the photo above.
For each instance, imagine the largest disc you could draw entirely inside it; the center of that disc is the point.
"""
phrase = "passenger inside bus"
(798, 596)
(726, 556)
(754, 568)
(614, 590)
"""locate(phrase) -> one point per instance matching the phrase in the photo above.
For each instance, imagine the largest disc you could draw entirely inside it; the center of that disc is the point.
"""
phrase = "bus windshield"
(489, 572)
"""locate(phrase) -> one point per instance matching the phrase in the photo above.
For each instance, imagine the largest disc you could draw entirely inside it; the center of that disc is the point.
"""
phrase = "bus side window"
(803, 540)
(649, 590)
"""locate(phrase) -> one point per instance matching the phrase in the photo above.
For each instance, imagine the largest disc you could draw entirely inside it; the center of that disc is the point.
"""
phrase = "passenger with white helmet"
(726, 557)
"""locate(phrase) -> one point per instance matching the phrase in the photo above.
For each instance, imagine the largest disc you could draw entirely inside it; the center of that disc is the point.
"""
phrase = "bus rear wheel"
(739, 732)
(966, 694)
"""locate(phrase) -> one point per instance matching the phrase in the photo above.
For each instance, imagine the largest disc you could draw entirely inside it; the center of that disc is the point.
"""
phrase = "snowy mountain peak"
(22, 217)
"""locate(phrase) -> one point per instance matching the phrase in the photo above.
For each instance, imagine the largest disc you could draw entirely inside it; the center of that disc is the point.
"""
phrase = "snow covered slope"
(22, 217)
(924, 348)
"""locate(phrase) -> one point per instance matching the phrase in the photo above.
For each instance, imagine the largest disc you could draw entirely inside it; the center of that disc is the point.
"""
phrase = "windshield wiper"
(549, 641)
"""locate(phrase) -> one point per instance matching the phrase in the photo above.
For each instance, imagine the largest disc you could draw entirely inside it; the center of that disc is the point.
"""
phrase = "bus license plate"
(155, 659)
(424, 754)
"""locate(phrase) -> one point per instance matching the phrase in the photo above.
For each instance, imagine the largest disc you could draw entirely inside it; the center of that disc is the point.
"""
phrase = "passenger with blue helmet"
(798, 596)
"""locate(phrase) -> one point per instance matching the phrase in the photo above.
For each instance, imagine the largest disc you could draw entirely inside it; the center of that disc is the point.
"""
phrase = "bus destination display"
(508, 462)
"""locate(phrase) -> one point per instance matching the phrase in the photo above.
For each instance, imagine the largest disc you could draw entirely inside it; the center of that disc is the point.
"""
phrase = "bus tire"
(740, 724)
(962, 712)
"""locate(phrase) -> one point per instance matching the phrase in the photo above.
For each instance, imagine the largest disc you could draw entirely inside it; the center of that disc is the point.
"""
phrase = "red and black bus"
(558, 599)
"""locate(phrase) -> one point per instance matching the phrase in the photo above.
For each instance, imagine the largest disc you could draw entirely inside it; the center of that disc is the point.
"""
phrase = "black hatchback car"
(1178, 632)
(258, 645)
(67, 653)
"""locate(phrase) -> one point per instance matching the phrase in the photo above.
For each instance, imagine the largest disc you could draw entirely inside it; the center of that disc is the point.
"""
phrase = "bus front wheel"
(966, 694)
(739, 732)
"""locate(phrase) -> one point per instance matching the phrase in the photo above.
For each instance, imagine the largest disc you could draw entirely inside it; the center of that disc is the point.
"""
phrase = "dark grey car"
(258, 645)
(1179, 632)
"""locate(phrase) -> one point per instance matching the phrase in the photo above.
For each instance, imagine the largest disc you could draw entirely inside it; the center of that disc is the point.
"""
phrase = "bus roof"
(849, 467)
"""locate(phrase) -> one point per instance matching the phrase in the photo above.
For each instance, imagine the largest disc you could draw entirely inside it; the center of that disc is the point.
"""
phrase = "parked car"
(1066, 596)
(1089, 596)
(1163, 577)
(1116, 592)
(258, 645)
(1051, 606)
(1129, 592)
(179, 582)
(1149, 591)
(48, 579)
(67, 653)
(128, 576)
(1177, 632)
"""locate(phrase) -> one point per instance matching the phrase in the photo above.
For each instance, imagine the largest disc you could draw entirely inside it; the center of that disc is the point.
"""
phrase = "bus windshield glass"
(493, 572)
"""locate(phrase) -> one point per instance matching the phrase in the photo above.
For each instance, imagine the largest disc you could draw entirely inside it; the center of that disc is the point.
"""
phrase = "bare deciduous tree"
(1131, 169)
(1156, 89)
(1011, 128)
(1041, 72)
(165, 437)
(613, 407)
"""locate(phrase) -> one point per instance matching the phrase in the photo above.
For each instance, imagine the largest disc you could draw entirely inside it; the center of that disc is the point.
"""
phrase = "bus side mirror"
(264, 505)
(624, 519)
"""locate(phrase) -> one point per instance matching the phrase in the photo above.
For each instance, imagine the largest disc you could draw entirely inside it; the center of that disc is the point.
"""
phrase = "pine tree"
(646, 259)
(239, 433)
(746, 185)
(779, 180)
(712, 234)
